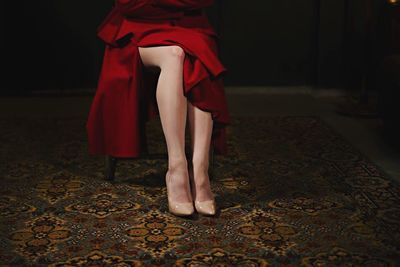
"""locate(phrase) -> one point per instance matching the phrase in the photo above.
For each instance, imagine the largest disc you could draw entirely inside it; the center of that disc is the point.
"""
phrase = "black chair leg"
(110, 166)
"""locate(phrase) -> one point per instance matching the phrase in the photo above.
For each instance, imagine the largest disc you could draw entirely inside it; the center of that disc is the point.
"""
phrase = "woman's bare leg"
(201, 124)
(172, 105)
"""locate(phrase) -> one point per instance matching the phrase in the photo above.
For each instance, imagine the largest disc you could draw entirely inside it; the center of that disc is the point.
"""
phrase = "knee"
(176, 53)
(173, 57)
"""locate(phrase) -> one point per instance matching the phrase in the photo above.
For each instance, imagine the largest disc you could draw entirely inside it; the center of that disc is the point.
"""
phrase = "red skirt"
(126, 95)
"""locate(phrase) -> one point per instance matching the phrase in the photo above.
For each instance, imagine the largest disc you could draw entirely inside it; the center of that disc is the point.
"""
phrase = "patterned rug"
(291, 192)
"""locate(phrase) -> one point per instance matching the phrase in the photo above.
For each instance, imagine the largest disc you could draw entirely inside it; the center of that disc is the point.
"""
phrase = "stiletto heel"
(178, 208)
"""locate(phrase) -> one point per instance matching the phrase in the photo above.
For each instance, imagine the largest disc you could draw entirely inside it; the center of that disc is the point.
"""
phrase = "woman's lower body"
(184, 185)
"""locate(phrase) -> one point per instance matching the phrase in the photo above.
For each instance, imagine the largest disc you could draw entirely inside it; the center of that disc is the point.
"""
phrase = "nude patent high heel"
(205, 207)
(178, 208)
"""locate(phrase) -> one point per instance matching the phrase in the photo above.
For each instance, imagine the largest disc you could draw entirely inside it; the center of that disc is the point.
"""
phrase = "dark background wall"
(272, 40)
(52, 45)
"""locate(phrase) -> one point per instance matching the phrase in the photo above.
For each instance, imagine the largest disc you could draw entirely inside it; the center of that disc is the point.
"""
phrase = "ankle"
(177, 165)
(201, 179)
(200, 158)
(200, 170)
(200, 167)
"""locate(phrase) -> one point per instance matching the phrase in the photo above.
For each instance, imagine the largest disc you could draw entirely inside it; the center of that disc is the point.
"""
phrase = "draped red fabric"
(125, 98)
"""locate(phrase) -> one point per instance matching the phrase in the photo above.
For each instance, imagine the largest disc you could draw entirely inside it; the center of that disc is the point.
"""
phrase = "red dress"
(125, 98)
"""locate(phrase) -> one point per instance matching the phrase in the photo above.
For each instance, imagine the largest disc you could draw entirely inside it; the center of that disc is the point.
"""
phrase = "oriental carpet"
(291, 192)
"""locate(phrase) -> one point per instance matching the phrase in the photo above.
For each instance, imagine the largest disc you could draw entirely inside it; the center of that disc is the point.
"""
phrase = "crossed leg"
(173, 108)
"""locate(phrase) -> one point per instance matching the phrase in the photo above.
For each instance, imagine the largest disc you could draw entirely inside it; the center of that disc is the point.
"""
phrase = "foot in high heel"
(205, 207)
(175, 207)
